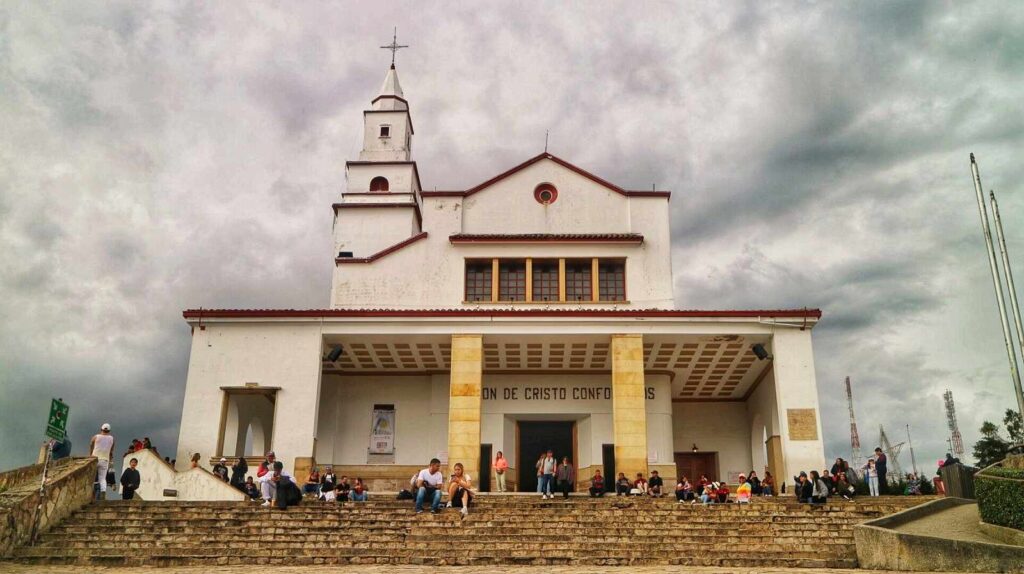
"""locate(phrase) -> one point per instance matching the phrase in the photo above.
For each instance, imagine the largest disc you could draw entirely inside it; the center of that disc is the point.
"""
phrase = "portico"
(462, 383)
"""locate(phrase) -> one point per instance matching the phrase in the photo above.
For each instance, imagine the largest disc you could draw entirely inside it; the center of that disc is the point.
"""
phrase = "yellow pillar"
(629, 411)
(775, 462)
(464, 403)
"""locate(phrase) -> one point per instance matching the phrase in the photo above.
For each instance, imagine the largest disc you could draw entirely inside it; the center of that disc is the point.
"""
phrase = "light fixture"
(760, 351)
(695, 449)
(335, 353)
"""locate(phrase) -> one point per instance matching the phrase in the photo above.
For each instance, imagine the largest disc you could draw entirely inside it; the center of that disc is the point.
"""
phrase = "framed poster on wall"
(382, 430)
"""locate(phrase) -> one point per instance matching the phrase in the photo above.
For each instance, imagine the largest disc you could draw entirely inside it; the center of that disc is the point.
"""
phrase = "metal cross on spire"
(394, 46)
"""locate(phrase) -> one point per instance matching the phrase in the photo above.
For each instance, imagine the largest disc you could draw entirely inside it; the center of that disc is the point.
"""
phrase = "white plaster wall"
(376, 147)
(436, 262)
(285, 355)
(660, 443)
(401, 177)
(582, 206)
(715, 427)
(346, 409)
(507, 207)
(796, 388)
(438, 432)
(155, 475)
(367, 230)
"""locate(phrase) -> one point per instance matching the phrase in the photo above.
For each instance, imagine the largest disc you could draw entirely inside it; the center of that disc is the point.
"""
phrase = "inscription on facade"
(803, 424)
(552, 393)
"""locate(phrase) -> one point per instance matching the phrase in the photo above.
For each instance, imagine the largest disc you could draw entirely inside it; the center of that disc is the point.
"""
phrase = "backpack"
(405, 495)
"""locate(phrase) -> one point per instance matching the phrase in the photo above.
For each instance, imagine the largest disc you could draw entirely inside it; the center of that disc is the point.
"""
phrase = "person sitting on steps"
(359, 491)
(251, 490)
(280, 487)
(684, 490)
(640, 486)
(460, 491)
(342, 490)
(312, 482)
(428, 485)
(597, 485)
(722, 492)
(655, 485)
(622, 485)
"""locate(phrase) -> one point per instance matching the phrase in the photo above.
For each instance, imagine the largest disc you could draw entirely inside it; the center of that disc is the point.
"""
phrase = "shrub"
(1000, 493)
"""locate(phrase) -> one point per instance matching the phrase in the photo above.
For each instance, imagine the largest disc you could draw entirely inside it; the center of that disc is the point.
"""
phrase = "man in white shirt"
(429, 483)
(102, 447)
(278, 485)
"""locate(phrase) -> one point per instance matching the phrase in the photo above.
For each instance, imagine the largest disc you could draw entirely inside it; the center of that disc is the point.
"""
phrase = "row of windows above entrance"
(572, 280)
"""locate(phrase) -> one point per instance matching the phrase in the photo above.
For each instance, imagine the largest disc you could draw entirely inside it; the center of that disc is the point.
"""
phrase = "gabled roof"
(632, 238)
(559, 161)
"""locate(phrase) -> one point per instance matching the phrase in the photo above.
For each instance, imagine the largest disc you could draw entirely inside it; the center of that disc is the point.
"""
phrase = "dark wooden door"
(484, 481)
(694, 464)
(608, 461)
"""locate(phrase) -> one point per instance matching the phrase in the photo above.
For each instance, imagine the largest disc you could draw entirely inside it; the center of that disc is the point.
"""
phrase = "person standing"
(130, 480)
(221, 469)
(871, 476)
(547, 469)
(882, 467)
(566, 477)
(238, 471)
(500, 468)
(102, 447)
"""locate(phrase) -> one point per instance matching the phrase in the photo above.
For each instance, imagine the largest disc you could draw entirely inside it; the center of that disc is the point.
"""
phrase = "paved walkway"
(8, 568)
(957, 523)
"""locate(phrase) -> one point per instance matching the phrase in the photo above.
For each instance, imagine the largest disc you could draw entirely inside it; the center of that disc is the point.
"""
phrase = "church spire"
(391, 96)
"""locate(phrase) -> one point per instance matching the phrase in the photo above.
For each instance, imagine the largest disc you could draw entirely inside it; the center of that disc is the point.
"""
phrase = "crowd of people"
(276, 487)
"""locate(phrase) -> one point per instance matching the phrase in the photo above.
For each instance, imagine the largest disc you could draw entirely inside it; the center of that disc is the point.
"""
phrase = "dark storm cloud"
(157, 157)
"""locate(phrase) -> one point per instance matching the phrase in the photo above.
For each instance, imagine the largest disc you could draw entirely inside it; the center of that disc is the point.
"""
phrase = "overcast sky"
(157, 156)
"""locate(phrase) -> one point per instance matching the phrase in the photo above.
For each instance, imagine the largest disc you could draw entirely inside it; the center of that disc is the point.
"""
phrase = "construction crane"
(956, 441)
(856, 458)
(892, 452)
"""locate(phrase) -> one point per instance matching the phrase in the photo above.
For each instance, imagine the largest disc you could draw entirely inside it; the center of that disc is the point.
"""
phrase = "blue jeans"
(421, 495)
(357, 497)
(546, 480)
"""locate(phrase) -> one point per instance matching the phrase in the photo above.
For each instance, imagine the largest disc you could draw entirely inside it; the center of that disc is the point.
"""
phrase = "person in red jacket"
(722, 492)
(267, 465)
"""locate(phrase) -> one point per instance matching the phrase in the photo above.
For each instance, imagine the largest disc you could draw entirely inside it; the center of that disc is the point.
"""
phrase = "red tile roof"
(547, 238)
(559, 161)
(504, 312)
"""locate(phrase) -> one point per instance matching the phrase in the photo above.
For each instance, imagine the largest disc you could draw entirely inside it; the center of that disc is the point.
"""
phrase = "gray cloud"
(158, 157)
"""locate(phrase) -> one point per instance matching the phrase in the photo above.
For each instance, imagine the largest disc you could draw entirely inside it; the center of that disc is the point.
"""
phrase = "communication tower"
(957, 442)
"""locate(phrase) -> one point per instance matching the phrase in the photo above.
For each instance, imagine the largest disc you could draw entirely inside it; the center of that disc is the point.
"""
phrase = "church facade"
(532, 311)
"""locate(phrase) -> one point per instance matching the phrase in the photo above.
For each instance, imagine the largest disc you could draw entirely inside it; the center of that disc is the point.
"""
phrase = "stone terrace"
(501, 530)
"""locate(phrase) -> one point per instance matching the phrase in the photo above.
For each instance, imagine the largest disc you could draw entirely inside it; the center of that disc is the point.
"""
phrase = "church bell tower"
(380, 205)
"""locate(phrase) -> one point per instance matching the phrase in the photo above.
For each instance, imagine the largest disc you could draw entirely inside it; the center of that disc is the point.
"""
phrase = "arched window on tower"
(379, 184)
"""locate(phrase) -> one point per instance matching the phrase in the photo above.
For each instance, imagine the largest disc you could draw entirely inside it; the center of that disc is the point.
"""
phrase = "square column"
(464, 396)
(796, 393)
(629, 411)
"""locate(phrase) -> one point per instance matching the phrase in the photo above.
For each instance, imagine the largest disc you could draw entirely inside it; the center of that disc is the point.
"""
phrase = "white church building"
(534, 310)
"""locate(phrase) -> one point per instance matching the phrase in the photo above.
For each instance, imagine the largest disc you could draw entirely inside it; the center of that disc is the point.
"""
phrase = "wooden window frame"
(530, 293)
(597, 284)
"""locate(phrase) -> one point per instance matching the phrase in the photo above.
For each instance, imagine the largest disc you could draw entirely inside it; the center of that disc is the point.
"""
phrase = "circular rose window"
(545, 193)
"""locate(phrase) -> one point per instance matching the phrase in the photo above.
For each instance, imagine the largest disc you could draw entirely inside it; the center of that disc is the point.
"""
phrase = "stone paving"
(8, 568)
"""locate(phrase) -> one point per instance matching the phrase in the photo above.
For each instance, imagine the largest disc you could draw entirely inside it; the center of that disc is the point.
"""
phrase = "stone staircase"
(500, 530)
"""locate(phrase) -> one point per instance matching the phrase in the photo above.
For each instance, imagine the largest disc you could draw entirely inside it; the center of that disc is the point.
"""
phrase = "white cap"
(222, 459)
(105, 426)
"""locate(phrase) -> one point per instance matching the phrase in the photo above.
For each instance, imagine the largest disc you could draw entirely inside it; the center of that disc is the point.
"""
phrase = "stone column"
(629, 411)
(464, 403)
(775, 463)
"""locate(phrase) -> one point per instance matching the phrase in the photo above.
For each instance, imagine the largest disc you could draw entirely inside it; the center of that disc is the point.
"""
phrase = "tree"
(992, 447)
(1014, 426)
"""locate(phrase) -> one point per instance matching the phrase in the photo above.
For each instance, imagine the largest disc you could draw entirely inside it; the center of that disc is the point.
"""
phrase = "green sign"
(56, 428)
